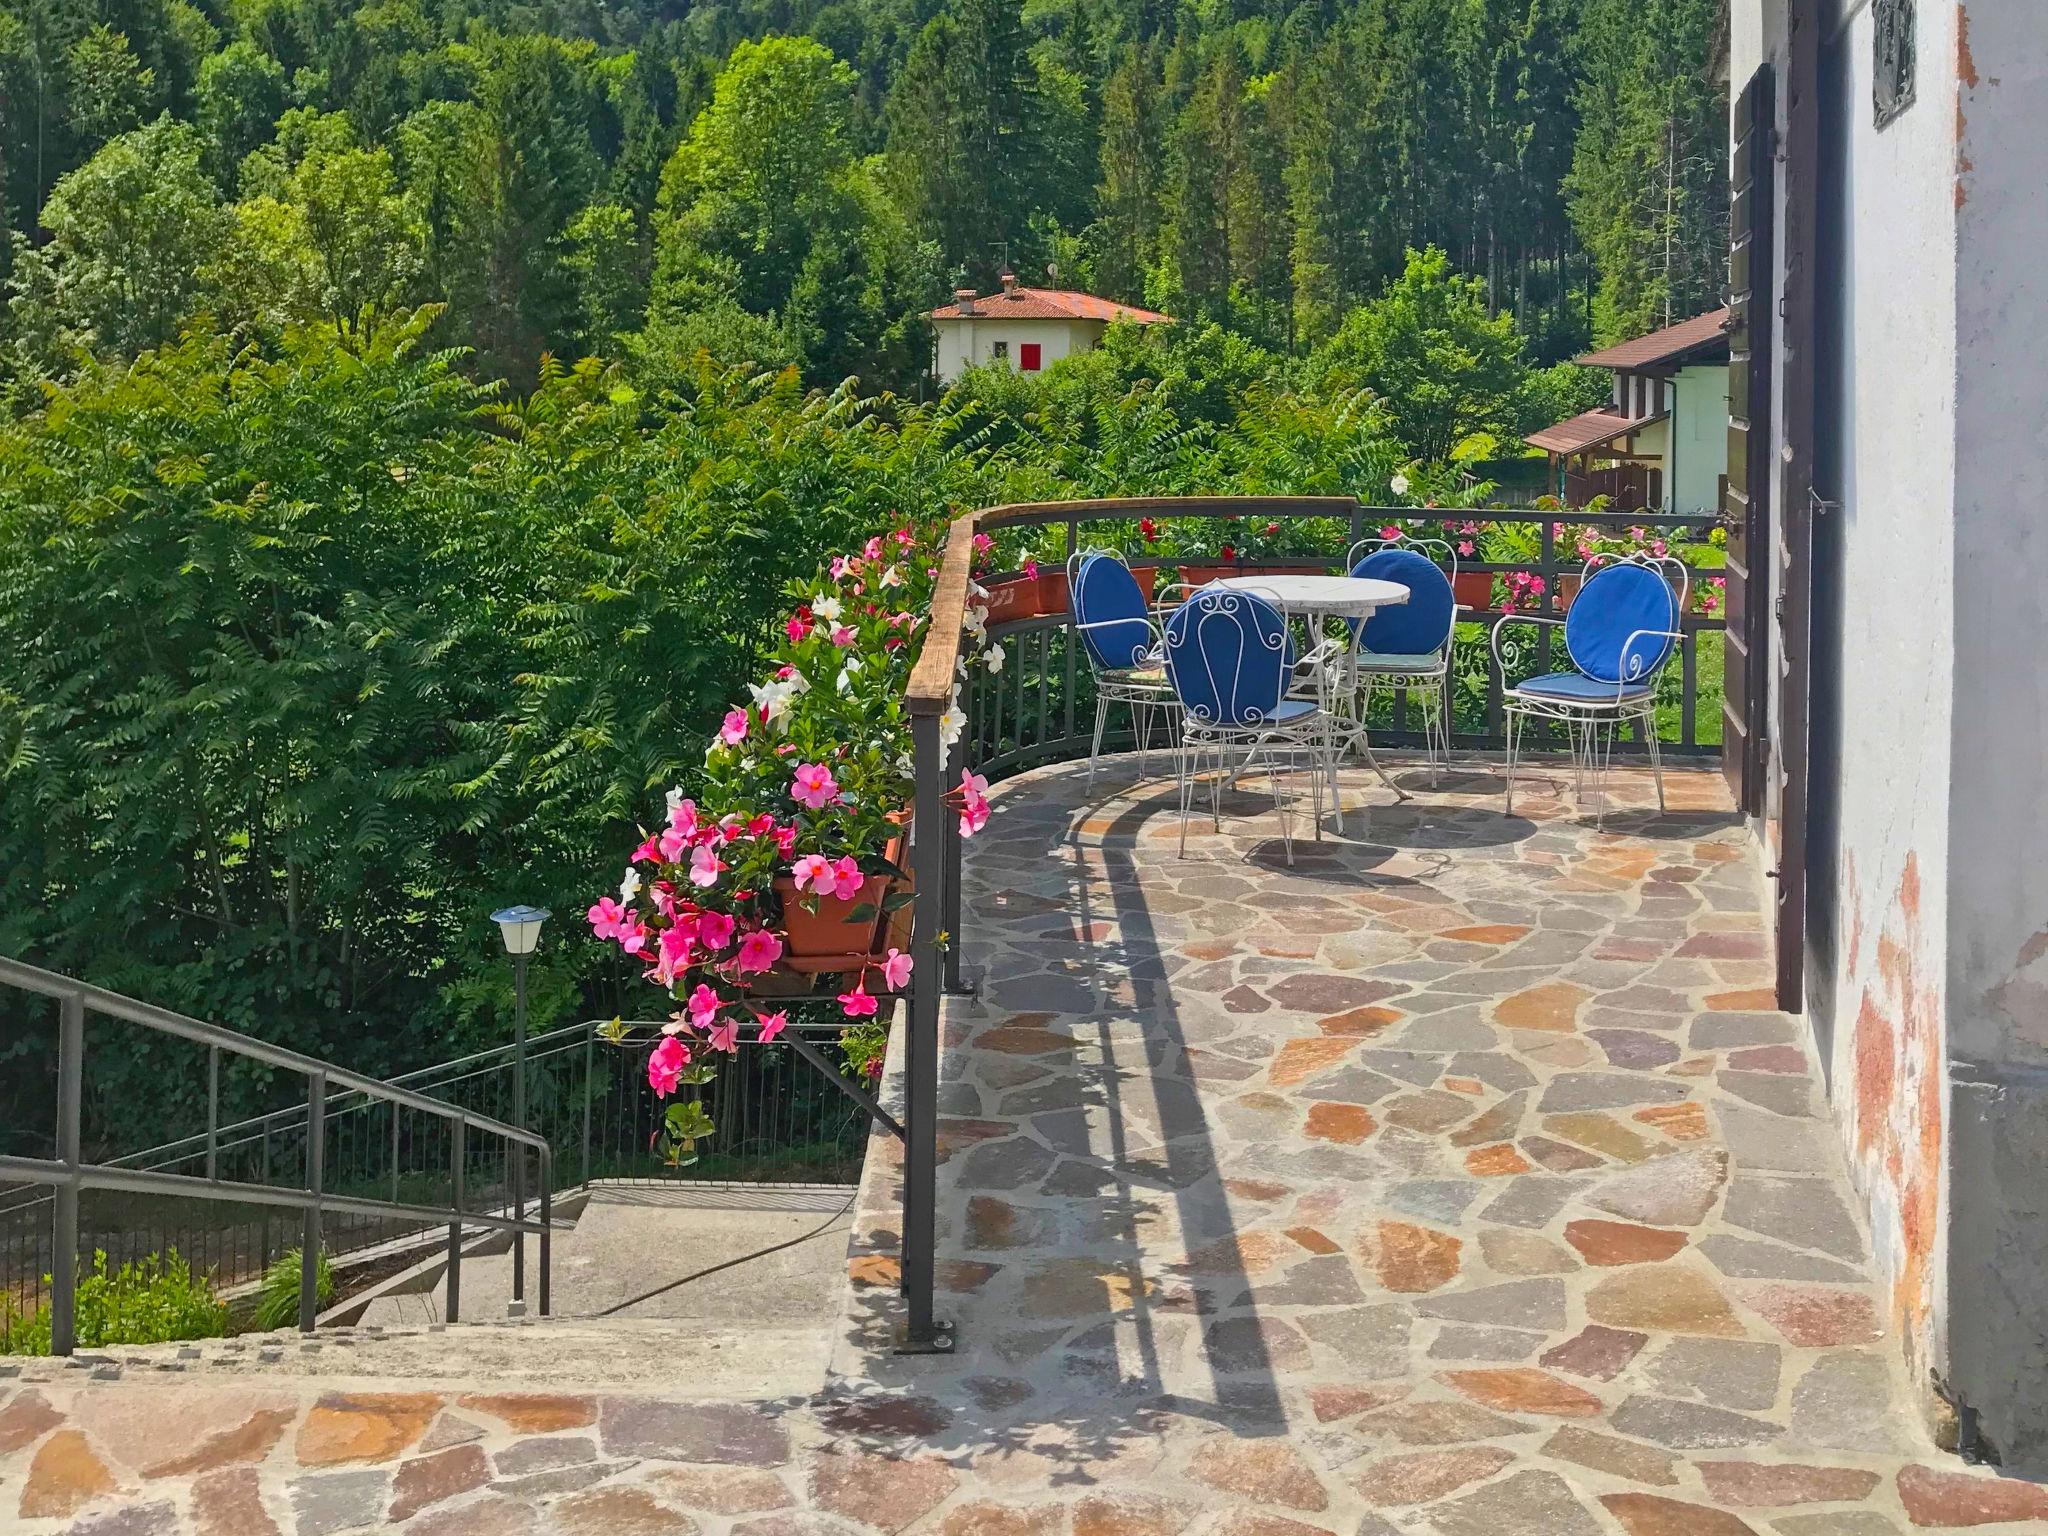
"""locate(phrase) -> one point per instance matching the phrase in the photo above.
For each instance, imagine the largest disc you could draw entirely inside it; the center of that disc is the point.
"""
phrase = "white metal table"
(1317, 600)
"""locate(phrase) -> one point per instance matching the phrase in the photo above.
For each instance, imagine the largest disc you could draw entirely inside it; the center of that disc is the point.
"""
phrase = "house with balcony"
(1660, 442)
(1026, 328)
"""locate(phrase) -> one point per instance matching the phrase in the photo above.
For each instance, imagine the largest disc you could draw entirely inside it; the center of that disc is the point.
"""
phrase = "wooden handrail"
(930, 691)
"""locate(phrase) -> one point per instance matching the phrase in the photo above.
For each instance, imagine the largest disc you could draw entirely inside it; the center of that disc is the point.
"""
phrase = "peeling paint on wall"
(1893, 1113)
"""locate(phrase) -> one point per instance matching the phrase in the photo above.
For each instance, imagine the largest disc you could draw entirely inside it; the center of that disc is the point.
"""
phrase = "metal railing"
(785, 1115)
(69, 1175)
(1039, 708)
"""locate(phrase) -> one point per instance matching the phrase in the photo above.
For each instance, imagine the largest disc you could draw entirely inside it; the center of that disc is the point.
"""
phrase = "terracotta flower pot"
(1027, 597)
(1567, 589)
(837, 930)
(1474, 589)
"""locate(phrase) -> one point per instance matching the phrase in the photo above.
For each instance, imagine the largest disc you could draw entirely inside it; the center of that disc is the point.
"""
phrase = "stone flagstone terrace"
(1459, 1179)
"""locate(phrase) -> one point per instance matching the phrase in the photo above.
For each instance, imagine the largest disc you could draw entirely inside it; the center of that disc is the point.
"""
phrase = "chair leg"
(1647, 724)
(1141, 720)
(1280, 804)
(1513, 717)
(1095, 745)
(1186, 787)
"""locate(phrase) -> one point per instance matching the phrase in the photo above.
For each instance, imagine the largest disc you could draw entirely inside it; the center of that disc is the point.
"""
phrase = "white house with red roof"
(1027, 328)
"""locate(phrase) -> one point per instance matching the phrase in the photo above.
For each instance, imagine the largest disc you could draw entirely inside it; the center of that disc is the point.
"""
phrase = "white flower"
(892, 577)
(906, 765)
(827, 608)
(629, 887)
(773, 699)
(952, 725)
(977, 622)
(994, 658)
(673, 799)
(1399, 485)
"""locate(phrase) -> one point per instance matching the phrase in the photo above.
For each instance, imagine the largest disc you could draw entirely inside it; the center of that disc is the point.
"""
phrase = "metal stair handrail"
(68, 1174)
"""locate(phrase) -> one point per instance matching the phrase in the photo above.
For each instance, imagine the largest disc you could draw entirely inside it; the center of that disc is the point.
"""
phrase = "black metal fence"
(779, 1118)
(447, 1161)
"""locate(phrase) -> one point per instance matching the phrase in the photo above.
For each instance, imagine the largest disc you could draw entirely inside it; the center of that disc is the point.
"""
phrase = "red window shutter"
(1028, 357)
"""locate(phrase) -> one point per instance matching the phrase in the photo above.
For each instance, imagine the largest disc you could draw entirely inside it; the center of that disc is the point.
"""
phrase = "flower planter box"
(1202, 575)
(1027, 597)
(839, 935)
(1473, 589)
(1567, 589)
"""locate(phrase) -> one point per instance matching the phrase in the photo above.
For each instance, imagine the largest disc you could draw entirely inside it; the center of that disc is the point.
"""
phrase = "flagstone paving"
(1459, 1180)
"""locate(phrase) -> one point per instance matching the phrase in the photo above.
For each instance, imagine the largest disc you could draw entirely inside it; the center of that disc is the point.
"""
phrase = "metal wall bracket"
(1892, 59)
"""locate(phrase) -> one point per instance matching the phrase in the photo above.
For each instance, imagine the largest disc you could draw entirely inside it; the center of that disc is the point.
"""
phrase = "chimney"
(964, 297)
(1009, 284)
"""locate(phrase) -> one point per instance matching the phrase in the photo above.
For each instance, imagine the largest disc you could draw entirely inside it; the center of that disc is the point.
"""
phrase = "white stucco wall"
(964, 343)
(1894, 302)
(1698, 457)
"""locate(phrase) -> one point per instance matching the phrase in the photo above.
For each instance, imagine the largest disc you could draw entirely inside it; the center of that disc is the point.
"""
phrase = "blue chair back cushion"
(1226, 656)
(1615, 603)
(1422, 625)
(1107, 594)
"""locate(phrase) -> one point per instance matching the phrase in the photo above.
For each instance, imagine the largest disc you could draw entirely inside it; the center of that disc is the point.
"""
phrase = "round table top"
(1345, 595)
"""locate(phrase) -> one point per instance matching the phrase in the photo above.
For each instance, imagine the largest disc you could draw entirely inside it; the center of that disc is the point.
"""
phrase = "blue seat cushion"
(1612, 629)
(1107, 598)
(1290, 710)
(1418, 626)
(1577, 687)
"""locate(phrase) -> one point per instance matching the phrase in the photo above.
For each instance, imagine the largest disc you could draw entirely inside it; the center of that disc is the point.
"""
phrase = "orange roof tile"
(1050, 304)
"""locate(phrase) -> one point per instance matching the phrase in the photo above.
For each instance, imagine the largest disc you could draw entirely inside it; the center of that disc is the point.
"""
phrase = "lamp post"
(520, 928)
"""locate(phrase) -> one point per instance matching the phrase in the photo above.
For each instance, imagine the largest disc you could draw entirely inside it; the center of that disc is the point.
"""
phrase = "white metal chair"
(1408, 646)
(1620, 630)
(1227, 657)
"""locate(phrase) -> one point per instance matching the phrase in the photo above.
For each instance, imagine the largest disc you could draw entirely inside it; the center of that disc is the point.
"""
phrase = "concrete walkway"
(1458, 1180)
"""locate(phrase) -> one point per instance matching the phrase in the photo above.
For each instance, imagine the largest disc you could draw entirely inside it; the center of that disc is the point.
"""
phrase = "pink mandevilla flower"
(703, 1007)
(842, 636)
(714, 930)
(609, 920)
(859, 1003)
(1390, 532)
(772, 1024)
(734, 730)
(846, 874)
(1464, 549)
(723, 1035)
(759, 951)
(814, 872)
(983, 543)
(896, 970)
(705, 865)
(872, 550)
(814, 786)
(666, 1065)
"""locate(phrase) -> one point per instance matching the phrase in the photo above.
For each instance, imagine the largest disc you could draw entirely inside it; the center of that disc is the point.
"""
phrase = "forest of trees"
(392, 491)
(798, 182)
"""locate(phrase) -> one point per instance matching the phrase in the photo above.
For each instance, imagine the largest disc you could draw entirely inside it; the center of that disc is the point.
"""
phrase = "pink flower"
(1535, 586)
(785, 841)
(1717, 582)
(846, 872)
(734, 730)
(772, 1024)
(714, 930)
(872, 550)
(896, 970)
(1031, 569)
(983, 543)
(841, 564)
(705, 865)
(674, 957)
(905, 537)
(682, 827)
(1709, 602)
(814, 872)
(842, 636)
(666, 1065)
(703, 1006)
(1464, 549)
(857, 1004)
(1657, 548)
(759, 951)
(648, 852)
(973, 802)
(609, 920)
(814, 786)
(1390, 532)
(723, 1035)
(873, 1070)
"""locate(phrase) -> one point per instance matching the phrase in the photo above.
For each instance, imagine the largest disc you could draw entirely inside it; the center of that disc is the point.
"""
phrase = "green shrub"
(278, 1305)
(149, 1301)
